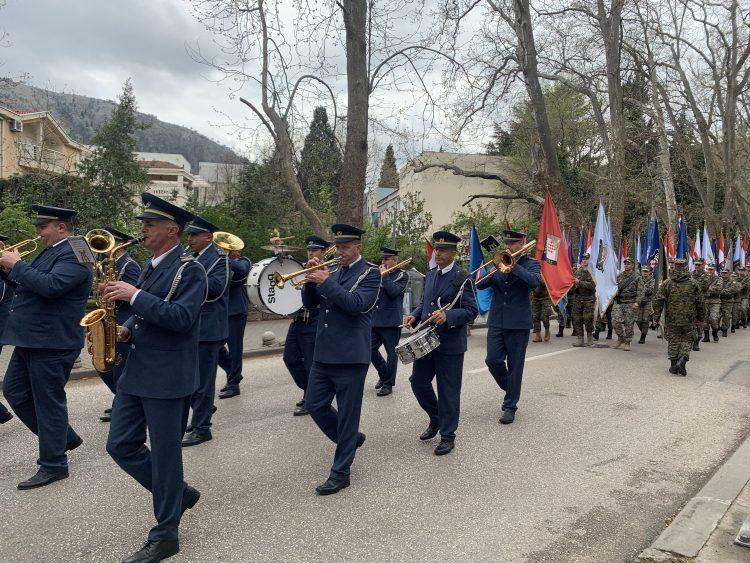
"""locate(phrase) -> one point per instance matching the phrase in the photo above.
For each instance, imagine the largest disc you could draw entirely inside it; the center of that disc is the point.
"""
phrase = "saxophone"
(101, 323)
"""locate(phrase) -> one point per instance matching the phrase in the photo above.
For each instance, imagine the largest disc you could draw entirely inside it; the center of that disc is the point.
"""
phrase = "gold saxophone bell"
(281, 279)
(227, 241)
(32, 242)
(100, 241)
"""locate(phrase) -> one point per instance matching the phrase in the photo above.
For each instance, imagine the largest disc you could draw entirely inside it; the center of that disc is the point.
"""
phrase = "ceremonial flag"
(738, 253)
(476, 259)
(552, 254)
(603, 261)
(430, 255)
(682, 240)
(643, 252)
(708, 252)
(582, 244)
(745, 251)
(697, 245)
(669, 244)
(638, 248)
(589, 234)
(623, 253)
(720, 257)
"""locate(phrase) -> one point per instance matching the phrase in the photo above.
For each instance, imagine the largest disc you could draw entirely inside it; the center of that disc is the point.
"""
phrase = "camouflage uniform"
(727, 302)
(643, 315)
(584, 300)
(704, 281)
(713, 304)
(629, 291)
(745, 297)
(541, 310)
(737, 303)
(681, 298)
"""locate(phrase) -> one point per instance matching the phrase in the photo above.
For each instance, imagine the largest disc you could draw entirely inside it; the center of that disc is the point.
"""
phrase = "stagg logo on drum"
(271, 288)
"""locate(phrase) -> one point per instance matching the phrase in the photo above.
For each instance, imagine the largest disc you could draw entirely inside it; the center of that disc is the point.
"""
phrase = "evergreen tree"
(388, 171)
(501, 143)
(113, 167)
(320, 164)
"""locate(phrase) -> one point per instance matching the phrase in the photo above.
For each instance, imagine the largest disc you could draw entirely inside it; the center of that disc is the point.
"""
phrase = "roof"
(159, 164)
(25, 115)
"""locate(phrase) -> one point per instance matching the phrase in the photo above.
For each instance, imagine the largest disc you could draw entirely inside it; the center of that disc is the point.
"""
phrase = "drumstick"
(428, 319)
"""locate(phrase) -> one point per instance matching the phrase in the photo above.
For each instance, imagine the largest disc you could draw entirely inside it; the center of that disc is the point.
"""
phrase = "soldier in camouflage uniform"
(737, 302)
(643, 316)
(713, 302)
(583, 294)
(745, 295)
(629, 293)
(727, 301)
(704, 281)
(681, 298)
(541, 310)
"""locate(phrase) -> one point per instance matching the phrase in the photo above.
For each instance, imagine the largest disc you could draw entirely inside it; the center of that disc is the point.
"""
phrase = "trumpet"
(396, 267)
(228, 242)
(23, 243)
(504, 261)
(281, 279)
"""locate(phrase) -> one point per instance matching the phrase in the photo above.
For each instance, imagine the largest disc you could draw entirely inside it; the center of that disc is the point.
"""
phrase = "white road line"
(530, 359)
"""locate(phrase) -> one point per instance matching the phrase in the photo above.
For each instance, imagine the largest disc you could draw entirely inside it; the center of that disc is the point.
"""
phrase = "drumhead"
(262, 289)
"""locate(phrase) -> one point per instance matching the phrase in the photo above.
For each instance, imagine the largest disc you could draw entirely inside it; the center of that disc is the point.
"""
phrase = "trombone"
(281, 279)
(396, 267)
(504, 261)
(31, 241)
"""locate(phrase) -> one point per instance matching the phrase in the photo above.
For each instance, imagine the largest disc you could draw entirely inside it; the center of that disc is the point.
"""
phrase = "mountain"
(81, 116)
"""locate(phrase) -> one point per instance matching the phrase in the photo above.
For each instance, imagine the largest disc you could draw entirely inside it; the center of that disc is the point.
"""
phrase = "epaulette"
(186, 258)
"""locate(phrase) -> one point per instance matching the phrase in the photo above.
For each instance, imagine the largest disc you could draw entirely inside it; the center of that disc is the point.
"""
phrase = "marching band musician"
(6, 295)
(230, 357)
(509, 322)
(342, 350)
(161, 372)
(445, 284)
(128, 271)
(214, 326)
(43, 324)
(386, 320)
(299, 347)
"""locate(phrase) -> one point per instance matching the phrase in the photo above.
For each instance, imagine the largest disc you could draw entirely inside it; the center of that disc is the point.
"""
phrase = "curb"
(694, 524)
(255, 353)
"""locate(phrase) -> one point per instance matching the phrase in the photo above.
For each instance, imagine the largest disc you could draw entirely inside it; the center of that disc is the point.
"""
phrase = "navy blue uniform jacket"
(128, 271)
(511, 303)
(50, 300)
(163, 359)
(347, 299)
(214, 315)
(6, 296)
(389, 310)
(452, 333)
(238, 300)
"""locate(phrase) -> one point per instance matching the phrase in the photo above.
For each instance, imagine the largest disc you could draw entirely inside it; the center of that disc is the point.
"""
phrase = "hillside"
(81, 116)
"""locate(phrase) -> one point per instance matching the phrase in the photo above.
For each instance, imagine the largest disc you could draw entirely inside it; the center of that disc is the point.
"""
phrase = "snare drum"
(262, 289)
(418, 345)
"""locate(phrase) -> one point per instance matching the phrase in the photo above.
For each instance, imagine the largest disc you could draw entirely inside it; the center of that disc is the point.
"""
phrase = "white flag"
(603, 261)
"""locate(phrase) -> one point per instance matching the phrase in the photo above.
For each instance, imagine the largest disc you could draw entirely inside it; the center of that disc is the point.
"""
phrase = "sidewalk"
(705, 529)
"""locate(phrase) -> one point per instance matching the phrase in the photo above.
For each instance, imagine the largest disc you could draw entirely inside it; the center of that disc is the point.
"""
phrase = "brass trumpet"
(504, 261)
(30, 241)
(396, 267)
(281, 279)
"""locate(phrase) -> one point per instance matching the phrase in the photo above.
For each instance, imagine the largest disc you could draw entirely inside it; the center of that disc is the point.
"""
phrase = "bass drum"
(265, 295)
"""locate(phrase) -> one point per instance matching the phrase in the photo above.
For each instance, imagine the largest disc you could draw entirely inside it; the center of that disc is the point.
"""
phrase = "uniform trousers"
(623, 318)
(299, 350)
(202, 400)
(506, 354)
(230, 356)
(111, 377)
(714, 315)
(679, 340)
(345, 382)
(445, 408)
(34, 386)
(159, 469)
(583, 316)
(389, 338)
(726, 314)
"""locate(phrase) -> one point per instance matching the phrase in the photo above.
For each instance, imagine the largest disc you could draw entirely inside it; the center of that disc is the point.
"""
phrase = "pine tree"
(501, 143)
(320, 163)
(113, 167)
(388, 171)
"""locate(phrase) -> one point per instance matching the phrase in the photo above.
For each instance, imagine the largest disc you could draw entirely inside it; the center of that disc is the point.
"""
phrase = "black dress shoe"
(444, 447)
(429, 434)
(300, 403)
(190, 496)
(43, 477)
(154, 551)
(361, 439)
(300, 411)
(509, 415)
(229, 393)
(379, 384)
(108, 411)
(105, 418)
(213, 409)
(5, 416)
(223, 389)
(332, 486)
(188, 429)
(70, 446)
(384, 390)
(195, 438)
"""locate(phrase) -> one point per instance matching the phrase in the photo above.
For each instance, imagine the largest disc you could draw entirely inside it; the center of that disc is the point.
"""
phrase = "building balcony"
(37, 157)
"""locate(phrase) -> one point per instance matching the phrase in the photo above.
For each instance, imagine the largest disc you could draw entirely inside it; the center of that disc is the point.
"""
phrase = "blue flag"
(682, 240)
(476, 259)
(582, 244)
(642, 251)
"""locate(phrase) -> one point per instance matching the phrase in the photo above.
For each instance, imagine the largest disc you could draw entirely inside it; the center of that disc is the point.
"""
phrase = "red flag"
(669, 244)
(430, 255)
(552, 253)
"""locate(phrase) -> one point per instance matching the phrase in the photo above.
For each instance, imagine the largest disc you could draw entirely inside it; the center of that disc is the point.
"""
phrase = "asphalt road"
(606, 448)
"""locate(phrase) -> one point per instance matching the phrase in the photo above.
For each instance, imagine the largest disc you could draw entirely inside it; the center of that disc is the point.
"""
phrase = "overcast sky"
(91, 47)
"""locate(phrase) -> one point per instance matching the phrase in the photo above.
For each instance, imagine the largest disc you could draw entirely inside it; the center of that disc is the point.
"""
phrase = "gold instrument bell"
(227, 241)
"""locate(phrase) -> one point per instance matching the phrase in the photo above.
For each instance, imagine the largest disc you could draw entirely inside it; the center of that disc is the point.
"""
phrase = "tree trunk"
(354, 170)
(549, 176)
